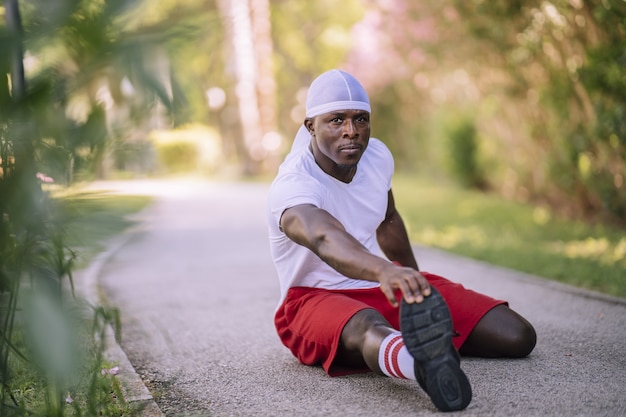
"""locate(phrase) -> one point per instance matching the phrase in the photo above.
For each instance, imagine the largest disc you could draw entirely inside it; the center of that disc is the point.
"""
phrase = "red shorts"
(310, 320)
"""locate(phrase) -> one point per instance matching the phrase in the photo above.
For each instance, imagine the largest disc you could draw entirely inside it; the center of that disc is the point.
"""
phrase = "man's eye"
(336, 120)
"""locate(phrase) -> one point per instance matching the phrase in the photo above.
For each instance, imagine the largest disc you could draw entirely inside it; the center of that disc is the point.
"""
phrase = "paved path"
(196, 288)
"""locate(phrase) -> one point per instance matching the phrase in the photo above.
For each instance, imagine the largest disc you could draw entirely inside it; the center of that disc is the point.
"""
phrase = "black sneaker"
(427, 332)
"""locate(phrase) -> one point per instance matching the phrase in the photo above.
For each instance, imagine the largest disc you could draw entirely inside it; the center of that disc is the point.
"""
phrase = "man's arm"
(393, 238)
(324, 235)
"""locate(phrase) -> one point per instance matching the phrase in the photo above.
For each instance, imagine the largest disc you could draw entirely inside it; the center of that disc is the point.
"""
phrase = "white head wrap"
(335, 90)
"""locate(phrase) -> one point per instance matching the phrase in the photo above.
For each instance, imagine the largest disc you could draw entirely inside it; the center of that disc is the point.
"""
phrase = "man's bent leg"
(361, 339)
(501, 332)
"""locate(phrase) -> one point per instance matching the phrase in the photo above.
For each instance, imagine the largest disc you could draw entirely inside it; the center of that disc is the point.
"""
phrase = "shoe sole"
(427, 332)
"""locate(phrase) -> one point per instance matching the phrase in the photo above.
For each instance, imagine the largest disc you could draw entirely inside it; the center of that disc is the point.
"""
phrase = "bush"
(192, 149)
(178, 157)
(462, 151)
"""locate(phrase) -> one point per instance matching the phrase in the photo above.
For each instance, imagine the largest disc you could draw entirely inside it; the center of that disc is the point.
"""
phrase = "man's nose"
(349, 128)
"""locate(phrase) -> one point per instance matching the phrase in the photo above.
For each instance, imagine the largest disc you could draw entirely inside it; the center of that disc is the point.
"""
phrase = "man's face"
(339, 138)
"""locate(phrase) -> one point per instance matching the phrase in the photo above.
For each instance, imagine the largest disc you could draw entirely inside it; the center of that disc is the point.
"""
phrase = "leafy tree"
(543, 81)
(564, 61)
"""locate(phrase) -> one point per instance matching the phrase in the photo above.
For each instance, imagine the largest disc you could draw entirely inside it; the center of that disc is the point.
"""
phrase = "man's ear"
(308, 123)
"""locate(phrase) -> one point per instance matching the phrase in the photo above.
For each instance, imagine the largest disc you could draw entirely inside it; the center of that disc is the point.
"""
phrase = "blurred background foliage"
(525, 100)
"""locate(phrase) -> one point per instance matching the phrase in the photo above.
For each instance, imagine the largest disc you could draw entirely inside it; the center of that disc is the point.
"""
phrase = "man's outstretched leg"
(427, 331)
(428, 356)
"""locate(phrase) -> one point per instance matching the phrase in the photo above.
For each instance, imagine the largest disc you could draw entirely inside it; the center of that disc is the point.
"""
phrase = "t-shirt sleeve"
(292, 190)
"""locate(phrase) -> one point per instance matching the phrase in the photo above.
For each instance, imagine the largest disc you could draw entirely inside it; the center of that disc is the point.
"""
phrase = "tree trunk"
(14, 26)
(237, 19)
(20, 130)
(264, 51)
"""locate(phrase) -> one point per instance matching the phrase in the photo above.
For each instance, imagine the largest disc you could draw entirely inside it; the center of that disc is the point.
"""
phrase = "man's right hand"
(410, 282)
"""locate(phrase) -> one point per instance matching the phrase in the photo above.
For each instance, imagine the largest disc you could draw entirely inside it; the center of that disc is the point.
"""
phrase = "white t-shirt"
(359, 205)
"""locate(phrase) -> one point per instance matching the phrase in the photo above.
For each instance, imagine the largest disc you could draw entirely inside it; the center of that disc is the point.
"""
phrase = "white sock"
(394, 358)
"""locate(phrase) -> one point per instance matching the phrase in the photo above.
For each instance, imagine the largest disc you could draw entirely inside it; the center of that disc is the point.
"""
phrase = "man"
(349, 278)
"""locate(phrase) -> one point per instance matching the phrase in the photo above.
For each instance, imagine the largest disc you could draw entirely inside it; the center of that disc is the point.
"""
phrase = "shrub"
(178, 157)
(192, 149)
(462, 151)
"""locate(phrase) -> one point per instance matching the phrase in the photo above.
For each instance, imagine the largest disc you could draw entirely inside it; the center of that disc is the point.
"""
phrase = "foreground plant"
(51, 341)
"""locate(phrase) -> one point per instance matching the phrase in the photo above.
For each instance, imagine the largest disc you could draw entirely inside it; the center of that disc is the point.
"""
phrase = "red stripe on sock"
(394, 359)
(388, 365)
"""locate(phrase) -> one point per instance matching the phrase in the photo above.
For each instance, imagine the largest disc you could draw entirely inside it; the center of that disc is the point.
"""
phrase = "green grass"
(513, 235)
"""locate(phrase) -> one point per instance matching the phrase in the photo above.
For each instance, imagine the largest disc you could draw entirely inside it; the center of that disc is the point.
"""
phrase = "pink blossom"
(112, 371)
(44, 178)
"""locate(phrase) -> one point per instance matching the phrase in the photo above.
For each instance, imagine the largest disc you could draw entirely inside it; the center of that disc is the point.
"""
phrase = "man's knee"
(364, 328)
(523, 340)
(501, 333)
(361, 339)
